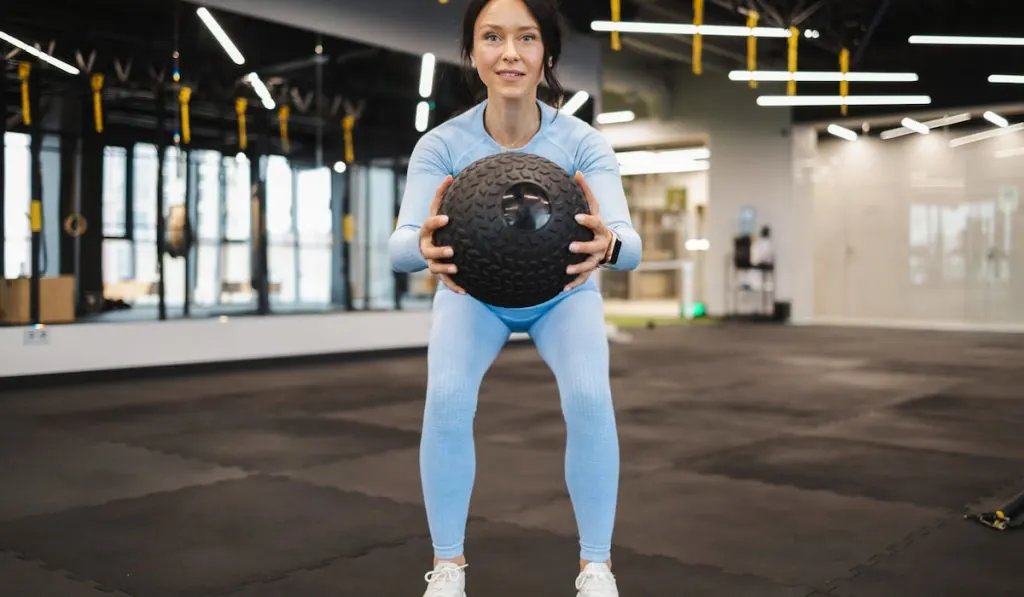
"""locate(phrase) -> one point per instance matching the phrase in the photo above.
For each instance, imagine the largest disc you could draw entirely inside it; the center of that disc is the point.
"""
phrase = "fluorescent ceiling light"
(669, 161)
(64, 66)
(995, 119)
(841, 132)
(218, 32)
(944, 121)
(427, 74)
(966, 40)
(575, 102)
(616, 117)
(1012, 79)
(261, 90)
(838, 100)
(915, 126)
(422, 116)
(989, 134)
(821, 76)
(688, 29)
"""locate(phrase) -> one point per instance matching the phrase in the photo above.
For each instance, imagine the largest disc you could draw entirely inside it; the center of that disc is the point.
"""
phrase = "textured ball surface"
(511, 219)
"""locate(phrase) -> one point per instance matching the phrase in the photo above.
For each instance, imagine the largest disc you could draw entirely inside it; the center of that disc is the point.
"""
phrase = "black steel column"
(258, 236)
(161, 219)
(347, 228)
(36, 207)
(89, 246)
(190, 201)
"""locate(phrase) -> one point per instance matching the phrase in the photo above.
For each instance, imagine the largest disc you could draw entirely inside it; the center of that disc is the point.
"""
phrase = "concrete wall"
(413, 26)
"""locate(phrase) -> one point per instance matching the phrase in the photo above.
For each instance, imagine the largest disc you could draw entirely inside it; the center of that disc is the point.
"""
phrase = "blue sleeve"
(428, 166)
(596, 160)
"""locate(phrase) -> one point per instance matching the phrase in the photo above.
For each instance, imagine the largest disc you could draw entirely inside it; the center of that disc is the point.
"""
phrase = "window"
(17, 187)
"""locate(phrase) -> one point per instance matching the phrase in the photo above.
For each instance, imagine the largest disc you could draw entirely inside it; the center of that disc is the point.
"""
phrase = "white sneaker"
(446, 580)
(596, 580)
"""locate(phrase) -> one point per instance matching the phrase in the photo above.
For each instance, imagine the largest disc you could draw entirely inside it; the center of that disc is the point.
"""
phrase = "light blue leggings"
(466, 337)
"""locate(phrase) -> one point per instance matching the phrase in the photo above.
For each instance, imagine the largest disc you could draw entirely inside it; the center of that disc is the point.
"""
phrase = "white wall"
(103, 346)
(413, 26)
(910, 231)
(751, 164)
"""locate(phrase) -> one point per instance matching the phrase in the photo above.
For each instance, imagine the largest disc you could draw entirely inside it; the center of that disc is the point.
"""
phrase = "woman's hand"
(595, 249)
(432, 253)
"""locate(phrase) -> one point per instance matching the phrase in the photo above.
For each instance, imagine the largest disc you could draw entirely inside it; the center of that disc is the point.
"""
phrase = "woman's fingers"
(431, 252)
(439, 268)
(596, 246)
(451, 284)
(587, 265)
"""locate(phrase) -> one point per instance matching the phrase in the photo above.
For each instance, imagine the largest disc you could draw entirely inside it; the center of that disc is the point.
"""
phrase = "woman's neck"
(512, 123)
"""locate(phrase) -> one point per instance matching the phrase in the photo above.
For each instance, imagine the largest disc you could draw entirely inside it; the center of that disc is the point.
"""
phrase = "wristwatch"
(612, 256)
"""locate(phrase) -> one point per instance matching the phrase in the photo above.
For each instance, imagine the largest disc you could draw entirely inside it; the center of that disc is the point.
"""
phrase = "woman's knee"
(587, 398)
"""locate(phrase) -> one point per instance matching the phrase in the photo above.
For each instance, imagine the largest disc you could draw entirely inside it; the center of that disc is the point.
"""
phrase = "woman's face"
(507, 49)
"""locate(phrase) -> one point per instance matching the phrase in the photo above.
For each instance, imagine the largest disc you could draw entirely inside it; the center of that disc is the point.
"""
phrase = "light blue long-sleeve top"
(563, 138)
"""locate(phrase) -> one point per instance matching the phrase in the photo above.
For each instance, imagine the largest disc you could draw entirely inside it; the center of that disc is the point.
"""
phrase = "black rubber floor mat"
(922, 477)
(959, 558)
(210, 539)
(274, 445)
(506, 561)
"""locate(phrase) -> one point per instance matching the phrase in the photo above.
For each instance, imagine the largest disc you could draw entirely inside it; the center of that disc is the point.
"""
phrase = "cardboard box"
(56, 300)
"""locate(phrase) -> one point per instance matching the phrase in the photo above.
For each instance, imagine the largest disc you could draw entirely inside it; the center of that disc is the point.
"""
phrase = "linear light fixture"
(965, 40)
(616, 117)
(427, 74)
(261, 90)
(24, 47)
(221, 36)
(422, 116)
(1011, 79)
(688, 29)
(838, 100)
(575, 102)
(995, 119)
(821, 76)
(989, 134)
(669, 161)
(841, 132)
(944, 121)
(915, 126)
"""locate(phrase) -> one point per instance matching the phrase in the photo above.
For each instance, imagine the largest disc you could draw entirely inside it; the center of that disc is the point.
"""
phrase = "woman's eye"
(528, 38)
(491, 37)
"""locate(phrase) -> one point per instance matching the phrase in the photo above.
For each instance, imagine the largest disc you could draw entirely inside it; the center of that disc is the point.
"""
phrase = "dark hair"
(551, 22)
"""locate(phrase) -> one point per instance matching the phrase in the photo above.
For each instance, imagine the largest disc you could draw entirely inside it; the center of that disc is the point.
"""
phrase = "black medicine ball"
(511, 219)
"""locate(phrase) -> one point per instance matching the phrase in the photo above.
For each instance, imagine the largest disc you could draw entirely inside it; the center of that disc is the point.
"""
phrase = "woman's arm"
(428, 167)
(600, 168)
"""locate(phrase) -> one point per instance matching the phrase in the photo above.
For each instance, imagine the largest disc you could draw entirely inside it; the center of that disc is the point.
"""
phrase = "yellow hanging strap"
(282, 116)
(347, 124)
(24, 71)
(698, 39)
(616, 16)
(794, 38)
(184, 97)
(844, 85)
(96, 83)
(752, 17)
(349, 227)
(240, 106)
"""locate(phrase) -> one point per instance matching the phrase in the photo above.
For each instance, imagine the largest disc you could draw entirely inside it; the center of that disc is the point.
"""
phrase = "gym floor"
(758, 461)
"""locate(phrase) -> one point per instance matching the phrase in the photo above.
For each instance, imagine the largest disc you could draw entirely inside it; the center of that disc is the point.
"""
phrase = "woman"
(514, 45)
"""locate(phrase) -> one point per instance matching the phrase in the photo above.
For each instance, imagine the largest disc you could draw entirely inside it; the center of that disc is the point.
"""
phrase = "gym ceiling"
(134, 40)
(876, 33)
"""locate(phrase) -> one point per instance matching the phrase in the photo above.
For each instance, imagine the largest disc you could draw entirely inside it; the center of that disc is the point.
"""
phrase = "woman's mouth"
(510, 75)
